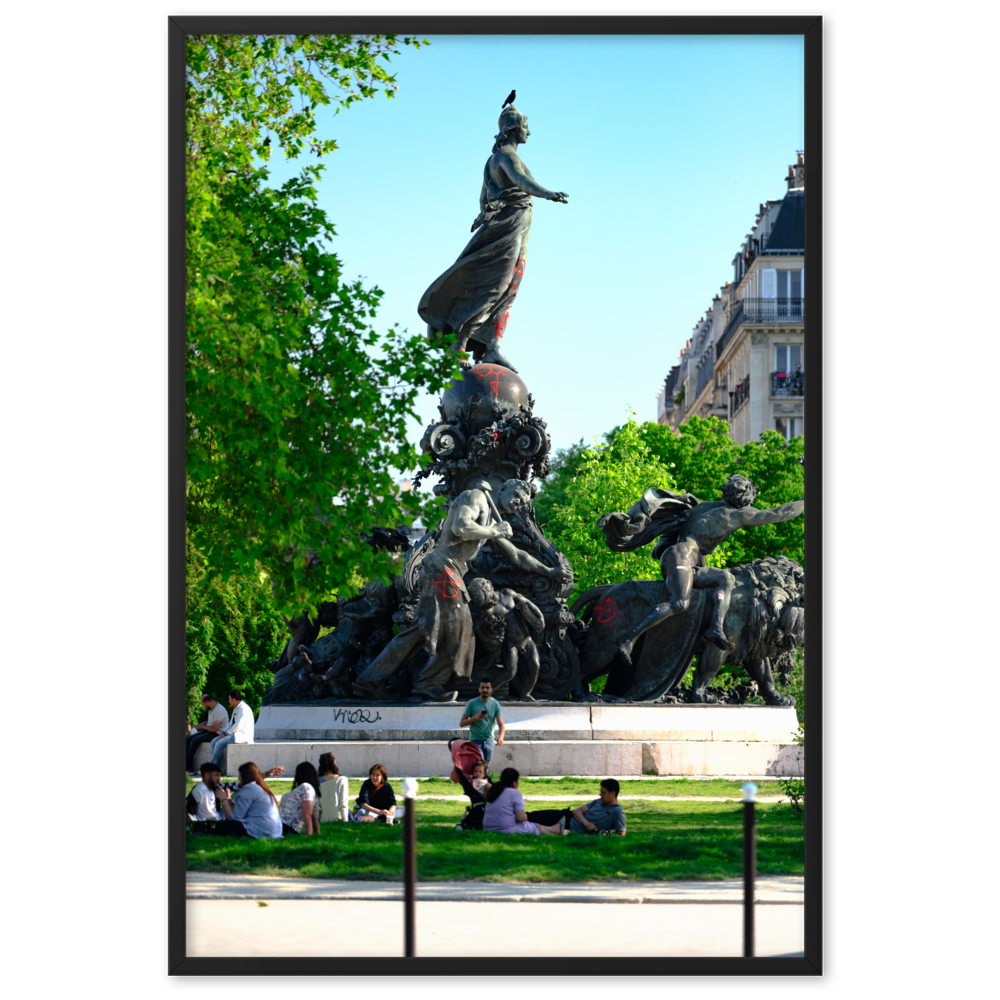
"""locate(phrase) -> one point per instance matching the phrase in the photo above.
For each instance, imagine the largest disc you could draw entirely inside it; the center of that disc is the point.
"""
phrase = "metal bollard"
(409, 868)
(749, 866)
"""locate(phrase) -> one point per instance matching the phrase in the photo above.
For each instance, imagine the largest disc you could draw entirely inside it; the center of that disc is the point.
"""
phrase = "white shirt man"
(239, 730)
(207, 794)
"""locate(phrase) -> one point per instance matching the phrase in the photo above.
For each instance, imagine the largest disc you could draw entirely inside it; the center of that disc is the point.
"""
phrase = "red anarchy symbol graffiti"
(448, 584)
(518, 274)
(502, 325)
(494, 371)
(605, 611)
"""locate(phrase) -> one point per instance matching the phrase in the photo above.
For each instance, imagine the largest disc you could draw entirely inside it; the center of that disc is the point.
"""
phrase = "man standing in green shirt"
(480, 715)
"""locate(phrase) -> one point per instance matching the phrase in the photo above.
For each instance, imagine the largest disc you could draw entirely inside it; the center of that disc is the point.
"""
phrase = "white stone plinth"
(531, 721)
(537, 758)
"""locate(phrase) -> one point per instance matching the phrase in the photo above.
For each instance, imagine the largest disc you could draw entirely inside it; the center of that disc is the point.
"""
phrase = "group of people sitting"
(499, 806)
(250, 809)
(219, 729)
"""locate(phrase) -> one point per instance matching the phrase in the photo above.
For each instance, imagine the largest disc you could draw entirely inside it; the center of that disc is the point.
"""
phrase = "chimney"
(797, 173)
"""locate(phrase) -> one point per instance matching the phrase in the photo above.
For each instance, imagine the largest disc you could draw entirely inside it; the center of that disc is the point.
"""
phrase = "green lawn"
(666, 840)
(586, 788)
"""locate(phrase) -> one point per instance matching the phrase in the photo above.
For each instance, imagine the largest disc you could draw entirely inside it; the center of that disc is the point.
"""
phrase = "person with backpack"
(505, 808)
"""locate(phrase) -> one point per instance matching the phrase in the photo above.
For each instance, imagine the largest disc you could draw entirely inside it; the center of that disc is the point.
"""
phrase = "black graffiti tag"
(355, 715)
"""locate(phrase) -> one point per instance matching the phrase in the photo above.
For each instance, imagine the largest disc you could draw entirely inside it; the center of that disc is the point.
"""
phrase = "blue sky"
(665, 145)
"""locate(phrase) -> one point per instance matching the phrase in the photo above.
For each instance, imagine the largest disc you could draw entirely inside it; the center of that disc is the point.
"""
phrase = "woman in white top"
(332, 789)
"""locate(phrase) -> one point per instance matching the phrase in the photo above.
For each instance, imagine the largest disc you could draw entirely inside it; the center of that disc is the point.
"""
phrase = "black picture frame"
(810, 28)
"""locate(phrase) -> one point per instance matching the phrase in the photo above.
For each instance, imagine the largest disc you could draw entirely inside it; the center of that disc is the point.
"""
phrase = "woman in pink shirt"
(505, 808)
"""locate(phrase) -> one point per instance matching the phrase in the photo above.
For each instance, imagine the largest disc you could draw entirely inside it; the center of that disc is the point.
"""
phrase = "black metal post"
(410, 878)
(749, 868)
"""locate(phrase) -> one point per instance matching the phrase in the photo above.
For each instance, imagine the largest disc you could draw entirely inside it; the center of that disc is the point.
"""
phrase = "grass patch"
(666, 840)
(586, 788)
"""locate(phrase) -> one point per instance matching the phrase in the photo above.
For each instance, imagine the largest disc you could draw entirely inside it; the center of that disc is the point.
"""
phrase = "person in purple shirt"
(505, 808)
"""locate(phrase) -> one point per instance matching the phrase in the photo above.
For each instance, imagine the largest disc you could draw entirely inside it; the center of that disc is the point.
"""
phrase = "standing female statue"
(473, 297)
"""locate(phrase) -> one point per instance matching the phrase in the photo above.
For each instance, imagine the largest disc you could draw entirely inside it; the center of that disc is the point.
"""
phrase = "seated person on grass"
(332, 789)
(376, 800)
(298, 809)
(505, 808)
(252, 813)
(203, 800)
(602, 815)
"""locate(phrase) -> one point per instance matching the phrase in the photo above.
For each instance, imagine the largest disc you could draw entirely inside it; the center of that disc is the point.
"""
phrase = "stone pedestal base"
(541, 758)
(542, 739)
(530, 721)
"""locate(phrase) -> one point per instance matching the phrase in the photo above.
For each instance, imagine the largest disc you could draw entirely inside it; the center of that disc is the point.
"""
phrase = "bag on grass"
(473, 818)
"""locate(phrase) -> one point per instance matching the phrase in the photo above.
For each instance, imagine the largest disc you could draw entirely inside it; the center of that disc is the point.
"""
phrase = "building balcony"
(785, 384)
(774, 310)
(739, 397)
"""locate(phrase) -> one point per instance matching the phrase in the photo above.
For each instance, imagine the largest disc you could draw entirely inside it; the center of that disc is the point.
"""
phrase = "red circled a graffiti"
(449, 584)
(518, 274)
(605, 611)
(502, 325)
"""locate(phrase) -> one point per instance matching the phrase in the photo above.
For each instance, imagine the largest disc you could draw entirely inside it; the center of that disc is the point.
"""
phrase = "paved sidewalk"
(318, 927)
(778, 890)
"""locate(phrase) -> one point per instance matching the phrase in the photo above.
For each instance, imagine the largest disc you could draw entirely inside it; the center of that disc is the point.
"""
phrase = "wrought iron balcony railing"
(788, 383)
(739, 396)
(774, 310)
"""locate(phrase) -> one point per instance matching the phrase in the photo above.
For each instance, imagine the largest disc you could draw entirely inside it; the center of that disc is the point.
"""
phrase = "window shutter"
(769, 281)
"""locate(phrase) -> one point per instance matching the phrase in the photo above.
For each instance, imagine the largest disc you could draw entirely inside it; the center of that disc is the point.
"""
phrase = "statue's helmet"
(510, 118)
(739, 492)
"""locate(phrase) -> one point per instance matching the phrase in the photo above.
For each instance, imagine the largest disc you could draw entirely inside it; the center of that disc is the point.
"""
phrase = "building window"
(787, 358)
(789, 284)
(788, 427)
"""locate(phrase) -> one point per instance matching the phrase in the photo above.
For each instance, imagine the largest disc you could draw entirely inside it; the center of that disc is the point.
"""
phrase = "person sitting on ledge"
(239, 730)
(299, 807)
(505, 808)
(218, 718)
(253, 813)
(332, 789)
(376, 800)
(602, 815)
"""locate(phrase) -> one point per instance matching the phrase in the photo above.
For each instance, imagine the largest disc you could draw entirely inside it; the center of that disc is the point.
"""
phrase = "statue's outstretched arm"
(773, 515)
(523, 560)
(514, 169)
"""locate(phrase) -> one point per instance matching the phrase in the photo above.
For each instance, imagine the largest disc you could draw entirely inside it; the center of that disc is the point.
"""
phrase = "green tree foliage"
(565, 466)
(609, 476)
(296, 405)
(698, 458)
(234, 632)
